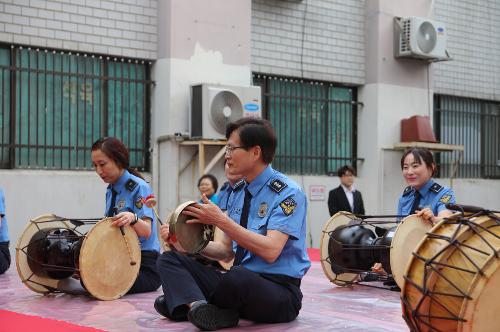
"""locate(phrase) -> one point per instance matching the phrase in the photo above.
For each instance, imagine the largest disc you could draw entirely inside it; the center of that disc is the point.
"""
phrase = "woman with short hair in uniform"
(423, 196)
(125, 204)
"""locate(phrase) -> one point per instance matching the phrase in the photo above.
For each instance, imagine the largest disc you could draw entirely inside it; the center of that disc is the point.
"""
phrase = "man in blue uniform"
(264, 229)
(4, 237)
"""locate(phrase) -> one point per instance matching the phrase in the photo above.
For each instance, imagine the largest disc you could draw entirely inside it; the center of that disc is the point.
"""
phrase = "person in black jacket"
(345, 197)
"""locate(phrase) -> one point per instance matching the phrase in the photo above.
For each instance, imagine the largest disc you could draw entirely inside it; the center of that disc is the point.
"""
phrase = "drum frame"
(354, 276)
(447, 244)
(46, 284)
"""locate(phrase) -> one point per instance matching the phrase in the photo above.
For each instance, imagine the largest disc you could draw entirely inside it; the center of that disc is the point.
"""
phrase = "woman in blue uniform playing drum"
(125, 196)
(423, 196)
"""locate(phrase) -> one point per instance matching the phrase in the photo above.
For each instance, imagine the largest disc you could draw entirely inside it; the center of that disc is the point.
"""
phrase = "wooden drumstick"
(132, 262)
(150, 202)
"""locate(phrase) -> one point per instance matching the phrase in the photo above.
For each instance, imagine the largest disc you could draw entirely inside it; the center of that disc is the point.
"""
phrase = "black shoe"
(179, 314)
(209, 317)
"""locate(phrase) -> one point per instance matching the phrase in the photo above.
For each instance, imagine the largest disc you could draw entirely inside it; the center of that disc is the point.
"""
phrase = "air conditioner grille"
(427, 37)
(226, 107)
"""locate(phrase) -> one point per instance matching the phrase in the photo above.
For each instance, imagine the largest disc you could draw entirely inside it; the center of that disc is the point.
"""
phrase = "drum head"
(39, 284)
(218, 234)
(453, 283)
(339, 219)
(105, 262)
(187, 238)
(410, 231)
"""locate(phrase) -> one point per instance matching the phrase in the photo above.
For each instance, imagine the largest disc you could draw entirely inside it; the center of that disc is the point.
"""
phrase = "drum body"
(52, 249)
(452, 281)
(350, 246)
(187, 238)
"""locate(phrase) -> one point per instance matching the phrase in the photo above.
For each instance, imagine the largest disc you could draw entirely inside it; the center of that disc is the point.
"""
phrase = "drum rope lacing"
(431, 265)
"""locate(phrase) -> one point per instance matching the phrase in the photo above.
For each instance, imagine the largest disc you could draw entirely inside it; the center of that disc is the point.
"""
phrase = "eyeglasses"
(230, 149)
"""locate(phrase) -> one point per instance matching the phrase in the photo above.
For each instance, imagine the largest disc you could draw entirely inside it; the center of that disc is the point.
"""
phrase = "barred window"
(55, 104)
(315, 124)
(475, 124)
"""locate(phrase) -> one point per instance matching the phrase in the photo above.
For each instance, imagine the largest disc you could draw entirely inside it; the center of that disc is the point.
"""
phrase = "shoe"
(179, 314)
(209, 317)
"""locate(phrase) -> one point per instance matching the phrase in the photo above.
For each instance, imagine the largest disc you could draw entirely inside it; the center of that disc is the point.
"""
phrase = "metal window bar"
(475, 124)
(54, 105)
(315, 123)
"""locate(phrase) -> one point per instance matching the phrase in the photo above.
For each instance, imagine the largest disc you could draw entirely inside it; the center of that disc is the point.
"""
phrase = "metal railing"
(55, 104)
(315, 124)
(475, 124)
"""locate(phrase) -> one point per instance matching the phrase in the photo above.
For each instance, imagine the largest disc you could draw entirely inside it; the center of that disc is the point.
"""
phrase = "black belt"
(281, 279)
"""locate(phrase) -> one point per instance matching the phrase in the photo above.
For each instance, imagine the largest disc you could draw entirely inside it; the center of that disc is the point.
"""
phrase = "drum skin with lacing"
(55, 249)
(452, 282)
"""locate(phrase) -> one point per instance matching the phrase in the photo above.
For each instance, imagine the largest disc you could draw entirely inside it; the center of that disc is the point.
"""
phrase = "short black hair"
(255, 132)
(212, 179)
(344, 169)
(420, 154)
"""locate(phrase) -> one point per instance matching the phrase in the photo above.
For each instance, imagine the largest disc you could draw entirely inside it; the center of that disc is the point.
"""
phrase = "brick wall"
(328, 44)
(474, 43)
(115, 27)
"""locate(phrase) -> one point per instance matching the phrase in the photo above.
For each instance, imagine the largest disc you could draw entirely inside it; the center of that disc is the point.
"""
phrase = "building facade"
(73, 71)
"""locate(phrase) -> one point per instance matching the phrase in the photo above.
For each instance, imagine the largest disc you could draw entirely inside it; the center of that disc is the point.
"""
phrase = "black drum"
(54, 251)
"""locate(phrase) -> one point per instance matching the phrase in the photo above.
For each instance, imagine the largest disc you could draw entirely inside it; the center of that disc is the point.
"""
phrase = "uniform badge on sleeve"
(139, 202)
(262, 209)
(288, 205)
(445, 199)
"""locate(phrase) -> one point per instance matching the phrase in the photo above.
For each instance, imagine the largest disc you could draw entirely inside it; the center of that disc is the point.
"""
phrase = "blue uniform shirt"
(4, 230)
(278, 203)
(225, 192)
(130, 191)
(433, 196)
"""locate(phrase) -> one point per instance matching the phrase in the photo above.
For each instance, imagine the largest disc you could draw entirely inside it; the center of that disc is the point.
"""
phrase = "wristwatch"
(135, 221)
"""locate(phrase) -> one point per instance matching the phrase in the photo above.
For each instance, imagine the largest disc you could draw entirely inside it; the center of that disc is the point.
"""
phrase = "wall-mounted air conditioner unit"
(420, 38)
(214, 106)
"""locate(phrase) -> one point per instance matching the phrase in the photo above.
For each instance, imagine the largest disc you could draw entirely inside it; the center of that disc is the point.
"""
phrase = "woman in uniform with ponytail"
(124, 202)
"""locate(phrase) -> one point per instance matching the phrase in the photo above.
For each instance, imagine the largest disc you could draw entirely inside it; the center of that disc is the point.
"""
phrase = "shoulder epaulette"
(436, 187)
(277, 185)
(130, 185)
(407, 190)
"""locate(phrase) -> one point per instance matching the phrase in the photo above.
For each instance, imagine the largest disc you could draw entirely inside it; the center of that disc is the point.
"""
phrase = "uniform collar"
(425, 189)
(260, 181)
(121, 182)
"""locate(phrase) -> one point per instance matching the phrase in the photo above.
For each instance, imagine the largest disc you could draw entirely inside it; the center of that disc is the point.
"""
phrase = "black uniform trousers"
(148, 279)
(262, 298)
(4, 257)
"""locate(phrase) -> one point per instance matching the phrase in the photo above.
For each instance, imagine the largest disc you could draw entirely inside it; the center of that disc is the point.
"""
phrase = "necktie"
(112, 211)
(416, 202)
(240, 251)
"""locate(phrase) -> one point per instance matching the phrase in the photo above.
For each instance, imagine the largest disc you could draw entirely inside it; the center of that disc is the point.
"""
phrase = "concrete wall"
(114, 27)
(198, 43)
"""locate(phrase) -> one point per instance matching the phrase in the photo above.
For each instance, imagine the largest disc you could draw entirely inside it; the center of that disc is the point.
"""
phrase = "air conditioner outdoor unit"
(214, 106)
(420, 38)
